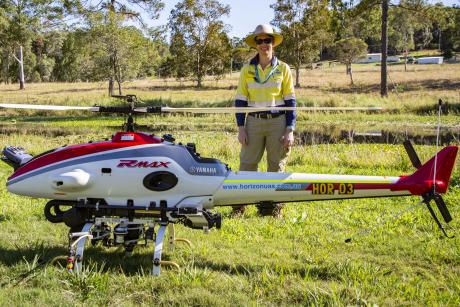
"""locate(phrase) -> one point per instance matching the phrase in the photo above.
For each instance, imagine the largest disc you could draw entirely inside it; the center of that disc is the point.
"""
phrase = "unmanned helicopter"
(135, 185)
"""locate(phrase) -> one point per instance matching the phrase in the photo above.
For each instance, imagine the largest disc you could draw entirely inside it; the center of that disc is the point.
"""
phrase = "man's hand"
(242, 136)
(288, 138)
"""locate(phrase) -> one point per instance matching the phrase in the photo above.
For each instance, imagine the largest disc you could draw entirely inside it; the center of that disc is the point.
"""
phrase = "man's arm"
(241, 100)
(289, 98)
(289, 101)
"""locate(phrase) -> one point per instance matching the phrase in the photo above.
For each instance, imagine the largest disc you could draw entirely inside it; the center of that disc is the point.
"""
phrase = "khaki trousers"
(264, 134)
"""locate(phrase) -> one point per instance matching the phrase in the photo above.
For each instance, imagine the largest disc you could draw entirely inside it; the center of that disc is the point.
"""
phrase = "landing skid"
(100, 231)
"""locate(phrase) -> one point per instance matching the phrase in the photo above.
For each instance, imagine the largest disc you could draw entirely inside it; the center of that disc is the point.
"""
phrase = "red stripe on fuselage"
(75, 151)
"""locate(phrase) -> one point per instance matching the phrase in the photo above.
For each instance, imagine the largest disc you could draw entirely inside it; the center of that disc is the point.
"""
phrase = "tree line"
(78, 40)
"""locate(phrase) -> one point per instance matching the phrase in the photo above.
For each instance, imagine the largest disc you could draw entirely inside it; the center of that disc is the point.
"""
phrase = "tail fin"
(433, 178)
(430, 179)
(421, 181)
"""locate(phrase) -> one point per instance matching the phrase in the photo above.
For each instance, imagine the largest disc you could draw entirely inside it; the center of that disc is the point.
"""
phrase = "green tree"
(348, 50)
(129, 9)
(199, 41)
(25, 18)
(338, 21)
(241, 53)
(119, 52)
(443, 26)
(302, 24)
(47, 48)
(156, 50)
(456, 29)
(348, 21)
(73, 62)
(4, 54)
(414, 6)
(111, 39)
(404, 21)
(181, 67)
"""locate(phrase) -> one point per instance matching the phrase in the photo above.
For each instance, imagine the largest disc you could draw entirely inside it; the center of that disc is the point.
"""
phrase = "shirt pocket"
(278, 79)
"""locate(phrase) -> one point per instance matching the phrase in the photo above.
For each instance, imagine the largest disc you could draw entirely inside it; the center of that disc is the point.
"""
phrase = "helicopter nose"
(19, 188)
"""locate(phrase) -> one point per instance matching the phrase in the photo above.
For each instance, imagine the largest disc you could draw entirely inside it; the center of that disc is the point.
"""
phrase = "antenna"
(437, 143)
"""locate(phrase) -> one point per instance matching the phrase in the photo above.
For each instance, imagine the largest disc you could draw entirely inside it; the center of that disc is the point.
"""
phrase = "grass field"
(301, 259)
(420, 86)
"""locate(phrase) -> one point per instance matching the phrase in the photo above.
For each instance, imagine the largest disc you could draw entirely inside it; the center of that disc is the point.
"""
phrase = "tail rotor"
(431, 195)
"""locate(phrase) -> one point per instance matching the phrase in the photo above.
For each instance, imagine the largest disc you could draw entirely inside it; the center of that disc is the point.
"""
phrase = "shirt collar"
(255, 61)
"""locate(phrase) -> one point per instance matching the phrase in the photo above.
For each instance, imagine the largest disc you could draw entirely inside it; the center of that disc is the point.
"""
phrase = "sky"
(245, 15)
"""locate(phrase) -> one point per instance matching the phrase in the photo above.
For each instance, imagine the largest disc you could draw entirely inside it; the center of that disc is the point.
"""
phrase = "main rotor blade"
(252, 109)
(45, 107)
(155, 109)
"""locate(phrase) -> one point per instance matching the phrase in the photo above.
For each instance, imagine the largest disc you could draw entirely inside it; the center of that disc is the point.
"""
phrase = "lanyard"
(272, 71)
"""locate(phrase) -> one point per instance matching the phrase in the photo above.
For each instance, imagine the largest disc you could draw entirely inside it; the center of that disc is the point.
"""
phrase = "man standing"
(265, 82)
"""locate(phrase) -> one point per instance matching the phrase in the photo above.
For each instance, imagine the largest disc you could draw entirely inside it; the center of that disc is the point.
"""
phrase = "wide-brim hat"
(260, 30)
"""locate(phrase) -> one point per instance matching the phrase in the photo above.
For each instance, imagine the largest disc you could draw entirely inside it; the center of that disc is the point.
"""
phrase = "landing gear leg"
(171, 236)
(77, 242)
(158, 249)
(157, 262)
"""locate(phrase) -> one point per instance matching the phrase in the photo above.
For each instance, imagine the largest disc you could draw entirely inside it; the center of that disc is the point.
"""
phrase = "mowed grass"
(397, 255)
(420, 86)
(299, 259)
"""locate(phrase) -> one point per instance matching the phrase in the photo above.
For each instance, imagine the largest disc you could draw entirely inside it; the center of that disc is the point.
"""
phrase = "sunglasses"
(261, 41)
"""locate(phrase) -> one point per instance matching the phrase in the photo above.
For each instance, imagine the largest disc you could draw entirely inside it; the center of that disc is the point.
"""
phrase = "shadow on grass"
(51, 119)
(41, 131)
(113, 259)
(312, 271)
(12, 256)
(446, 108)
(187, 103)
(182, 87)
(407, 86)
(73, 90)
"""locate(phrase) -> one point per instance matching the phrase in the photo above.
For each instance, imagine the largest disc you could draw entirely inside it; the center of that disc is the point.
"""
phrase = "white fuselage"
(74, 181)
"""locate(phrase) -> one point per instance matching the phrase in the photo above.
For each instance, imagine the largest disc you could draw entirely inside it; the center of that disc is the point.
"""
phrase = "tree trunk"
(110, 86)
(119, 79)
(351, 75)
(119, 88)
(231, 66)
(112, 60)
(321, 52)
(439, 39)
(383, 72)
(405, 60)
(198, 71)
(297, 76)
(21, 70)
(5, 66)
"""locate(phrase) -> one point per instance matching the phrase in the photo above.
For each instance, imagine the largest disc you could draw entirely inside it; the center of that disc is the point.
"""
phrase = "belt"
(266, 115)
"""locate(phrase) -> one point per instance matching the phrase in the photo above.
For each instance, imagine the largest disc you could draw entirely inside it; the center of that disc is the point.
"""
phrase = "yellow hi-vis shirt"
(273, 92)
